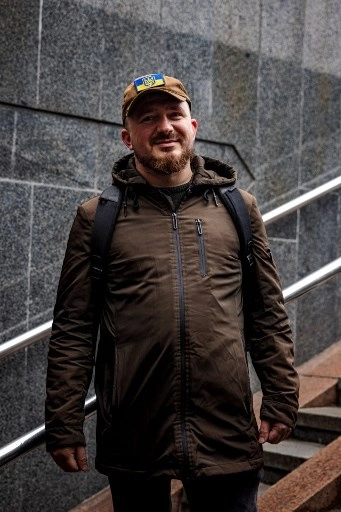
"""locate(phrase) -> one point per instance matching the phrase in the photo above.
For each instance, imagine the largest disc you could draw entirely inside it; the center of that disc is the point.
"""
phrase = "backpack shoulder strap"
(105, 219)
(235, 204)
(107, 211)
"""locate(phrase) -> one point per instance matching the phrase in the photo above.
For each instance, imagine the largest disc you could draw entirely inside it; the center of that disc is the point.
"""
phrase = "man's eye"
(176, 115)
(146, 119)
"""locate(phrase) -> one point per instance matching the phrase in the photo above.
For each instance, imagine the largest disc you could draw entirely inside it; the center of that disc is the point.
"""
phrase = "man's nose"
(164, 125)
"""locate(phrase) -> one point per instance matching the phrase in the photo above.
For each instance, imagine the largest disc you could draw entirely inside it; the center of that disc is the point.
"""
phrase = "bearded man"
(171, 374)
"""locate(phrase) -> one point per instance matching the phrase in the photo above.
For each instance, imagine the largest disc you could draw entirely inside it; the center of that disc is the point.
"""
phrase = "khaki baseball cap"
(152, 83)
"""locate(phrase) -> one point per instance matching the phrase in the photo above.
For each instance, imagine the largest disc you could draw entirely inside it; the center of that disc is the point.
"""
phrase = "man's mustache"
(164, 137)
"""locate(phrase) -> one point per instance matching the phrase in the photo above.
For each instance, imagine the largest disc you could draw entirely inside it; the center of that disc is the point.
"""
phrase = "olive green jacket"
(171, 372)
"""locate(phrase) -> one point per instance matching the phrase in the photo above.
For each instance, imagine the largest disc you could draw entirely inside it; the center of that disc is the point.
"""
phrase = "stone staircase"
(314, 486)
(307, 474)
(303, 473)
(316, 427)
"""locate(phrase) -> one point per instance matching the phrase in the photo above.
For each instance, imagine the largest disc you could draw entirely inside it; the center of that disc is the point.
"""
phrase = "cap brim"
(142, 94)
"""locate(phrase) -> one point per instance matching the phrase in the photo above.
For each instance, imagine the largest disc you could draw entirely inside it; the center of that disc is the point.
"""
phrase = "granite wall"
(264, 77)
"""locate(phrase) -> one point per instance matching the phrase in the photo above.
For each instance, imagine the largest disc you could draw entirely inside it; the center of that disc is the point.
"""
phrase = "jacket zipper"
(201, 243)
(183, 368)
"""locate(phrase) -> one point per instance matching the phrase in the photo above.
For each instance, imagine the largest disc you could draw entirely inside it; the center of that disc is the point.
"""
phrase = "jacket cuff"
(63, 436)
(279, 412)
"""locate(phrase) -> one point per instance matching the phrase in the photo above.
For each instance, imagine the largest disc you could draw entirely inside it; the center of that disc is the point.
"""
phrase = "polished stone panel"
(282, 29)
(276, 180)
(12, 385)
(19, 55)
(71, 49)
(103, 53)
(7, 140)
(110, 148)
(49, 237)
(322, 36)
(54, 210)
(315, 335)
(35, 376)
(15, 215)
(279, 110)
(285, 228)
(233, 114)
(318, 234)
(284, 255)
(318, 241)
(54, 150)
(321, 125)
(13, 308)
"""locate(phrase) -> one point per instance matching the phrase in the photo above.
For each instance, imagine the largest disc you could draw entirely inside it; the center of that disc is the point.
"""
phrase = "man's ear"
(194, 126)
(126, 138)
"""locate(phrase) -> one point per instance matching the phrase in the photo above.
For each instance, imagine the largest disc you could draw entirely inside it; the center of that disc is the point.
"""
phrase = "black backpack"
(105, 219)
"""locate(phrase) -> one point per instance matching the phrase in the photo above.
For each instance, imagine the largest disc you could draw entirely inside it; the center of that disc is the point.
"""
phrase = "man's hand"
(273, 432)
(71, 458)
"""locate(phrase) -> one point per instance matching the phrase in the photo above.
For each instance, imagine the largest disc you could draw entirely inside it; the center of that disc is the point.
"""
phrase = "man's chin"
(166, 162)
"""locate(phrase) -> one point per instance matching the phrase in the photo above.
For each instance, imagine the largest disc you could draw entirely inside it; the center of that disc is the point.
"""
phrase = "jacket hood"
(207, 172)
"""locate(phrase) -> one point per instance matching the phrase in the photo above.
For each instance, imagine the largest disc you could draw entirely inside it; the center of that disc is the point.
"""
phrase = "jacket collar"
(207, 172)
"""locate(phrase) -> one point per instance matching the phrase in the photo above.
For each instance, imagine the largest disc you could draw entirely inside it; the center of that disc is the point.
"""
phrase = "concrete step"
(313, 486)
(319, 424)
(316, 427)
(280, 459)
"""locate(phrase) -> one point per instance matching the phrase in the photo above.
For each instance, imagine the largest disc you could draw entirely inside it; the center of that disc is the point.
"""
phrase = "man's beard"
(168, 164)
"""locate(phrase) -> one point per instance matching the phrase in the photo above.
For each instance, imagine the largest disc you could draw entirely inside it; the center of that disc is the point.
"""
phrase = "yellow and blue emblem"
(146, 82)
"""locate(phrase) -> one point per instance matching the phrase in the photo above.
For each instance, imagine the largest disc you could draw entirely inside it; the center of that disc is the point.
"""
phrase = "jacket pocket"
(201, 248)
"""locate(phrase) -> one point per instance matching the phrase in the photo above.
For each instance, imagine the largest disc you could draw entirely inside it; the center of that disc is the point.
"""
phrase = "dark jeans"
(231, 493)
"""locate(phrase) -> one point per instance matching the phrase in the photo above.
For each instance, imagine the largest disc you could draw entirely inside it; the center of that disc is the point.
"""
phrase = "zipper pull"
(175, 221)
(199, 226)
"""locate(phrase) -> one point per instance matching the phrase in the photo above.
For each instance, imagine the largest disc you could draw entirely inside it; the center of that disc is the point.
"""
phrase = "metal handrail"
(36, 437)
(311, 281)
(302, 200)
(10, 347)
(26, 339)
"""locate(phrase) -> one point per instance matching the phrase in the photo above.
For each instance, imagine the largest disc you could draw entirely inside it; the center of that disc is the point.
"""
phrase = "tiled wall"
(265, 81)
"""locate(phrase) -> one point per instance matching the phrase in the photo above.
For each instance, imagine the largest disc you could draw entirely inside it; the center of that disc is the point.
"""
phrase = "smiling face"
(161, 133)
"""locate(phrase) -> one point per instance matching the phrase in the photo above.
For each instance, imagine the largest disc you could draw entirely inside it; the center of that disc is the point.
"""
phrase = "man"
(172, 381)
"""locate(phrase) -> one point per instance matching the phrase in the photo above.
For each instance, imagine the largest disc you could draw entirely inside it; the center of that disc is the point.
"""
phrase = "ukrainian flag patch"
(146, 82)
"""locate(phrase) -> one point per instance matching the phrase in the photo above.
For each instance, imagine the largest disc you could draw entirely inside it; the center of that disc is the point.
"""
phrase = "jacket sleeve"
(269, 334)
(70, 356)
